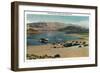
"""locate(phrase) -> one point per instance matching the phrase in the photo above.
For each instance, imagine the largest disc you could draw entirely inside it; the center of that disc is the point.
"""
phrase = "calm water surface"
(33, 39)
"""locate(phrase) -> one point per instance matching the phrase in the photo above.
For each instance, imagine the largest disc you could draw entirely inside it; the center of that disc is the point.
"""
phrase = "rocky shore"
(76, 48)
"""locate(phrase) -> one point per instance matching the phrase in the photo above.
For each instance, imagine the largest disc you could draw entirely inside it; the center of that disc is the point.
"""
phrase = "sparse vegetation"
(79, 46)
(57, 56)
(84, 43)
(33, 56)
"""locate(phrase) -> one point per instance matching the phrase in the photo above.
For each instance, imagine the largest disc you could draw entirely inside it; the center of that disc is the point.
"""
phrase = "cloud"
(83, 24)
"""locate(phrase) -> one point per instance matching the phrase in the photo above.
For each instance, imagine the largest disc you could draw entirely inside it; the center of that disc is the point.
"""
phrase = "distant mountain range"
(42, 26)
(74, 29)
(54, 26)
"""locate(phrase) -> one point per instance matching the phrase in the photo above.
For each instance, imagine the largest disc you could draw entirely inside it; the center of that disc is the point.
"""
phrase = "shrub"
(57, 56)
(84, 42)
(76, 41)
(85, 45)
(79, 46)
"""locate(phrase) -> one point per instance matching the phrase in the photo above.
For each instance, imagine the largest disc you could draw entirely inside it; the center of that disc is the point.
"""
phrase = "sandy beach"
(50, 50)
(64, 52)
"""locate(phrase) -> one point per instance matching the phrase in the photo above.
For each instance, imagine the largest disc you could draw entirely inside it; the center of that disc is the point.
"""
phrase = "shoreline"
(59, 50)
(48, 51)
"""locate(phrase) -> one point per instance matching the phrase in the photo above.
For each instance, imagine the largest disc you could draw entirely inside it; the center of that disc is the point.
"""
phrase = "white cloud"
(83, 24)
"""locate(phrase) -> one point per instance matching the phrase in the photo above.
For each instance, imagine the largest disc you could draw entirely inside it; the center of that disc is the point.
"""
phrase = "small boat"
(43, 40)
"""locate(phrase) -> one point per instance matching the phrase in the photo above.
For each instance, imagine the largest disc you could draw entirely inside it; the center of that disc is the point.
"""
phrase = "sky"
(75, 20)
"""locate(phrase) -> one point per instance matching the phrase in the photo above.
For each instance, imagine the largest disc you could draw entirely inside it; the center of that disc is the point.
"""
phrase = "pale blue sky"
(79, 20)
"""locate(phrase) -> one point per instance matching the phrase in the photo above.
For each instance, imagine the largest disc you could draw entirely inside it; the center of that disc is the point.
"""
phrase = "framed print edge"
(96, 35)
(15, 36)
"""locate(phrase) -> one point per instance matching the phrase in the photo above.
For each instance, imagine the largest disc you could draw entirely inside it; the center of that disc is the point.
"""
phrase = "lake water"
(33, 39)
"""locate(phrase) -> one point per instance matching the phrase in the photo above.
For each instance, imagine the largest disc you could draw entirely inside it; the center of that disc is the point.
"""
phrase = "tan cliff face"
(45, 26)
(40, 27)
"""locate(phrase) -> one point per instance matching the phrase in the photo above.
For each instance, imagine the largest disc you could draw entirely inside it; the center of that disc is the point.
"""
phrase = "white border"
(56, 62)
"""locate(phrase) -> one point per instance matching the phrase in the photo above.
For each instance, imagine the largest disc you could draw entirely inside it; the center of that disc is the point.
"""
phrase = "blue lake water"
(33, 39)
